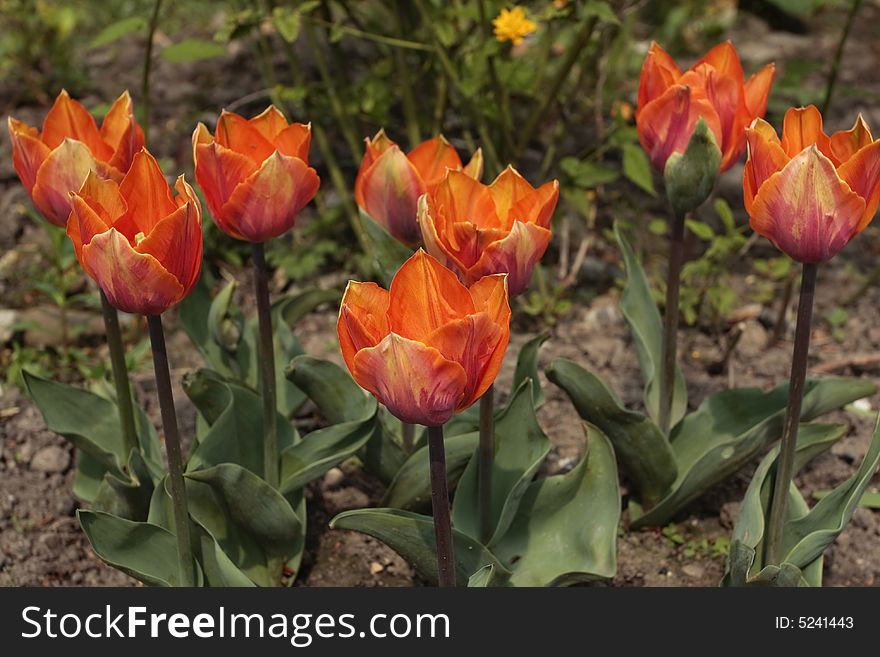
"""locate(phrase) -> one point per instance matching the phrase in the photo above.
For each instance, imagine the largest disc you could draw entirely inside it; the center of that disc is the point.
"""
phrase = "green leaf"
(869, 499)
(700, 229)
(412, 536)
(387, 253)
(637, 168)
(117, 30)
(527, 367)
(520, 449)
(142, 550)
(601, 10)
(565, 530)
(733, 427)
(488, 576)
(331, 388)
(88, 477)
(192, 50)
(411, 488)
(211, 326)
(218, 567)
(642, 450)
(126, 495)
(641, 314)
(294, 307)
(287, 21)
(587, 174)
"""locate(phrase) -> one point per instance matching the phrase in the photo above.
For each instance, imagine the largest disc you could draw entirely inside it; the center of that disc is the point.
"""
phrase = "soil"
(40, 541)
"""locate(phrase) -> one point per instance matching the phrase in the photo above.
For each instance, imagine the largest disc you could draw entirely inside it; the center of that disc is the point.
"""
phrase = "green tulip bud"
(690, 176)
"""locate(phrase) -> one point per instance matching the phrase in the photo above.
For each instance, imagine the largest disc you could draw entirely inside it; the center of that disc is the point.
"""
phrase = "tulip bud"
(690, 176)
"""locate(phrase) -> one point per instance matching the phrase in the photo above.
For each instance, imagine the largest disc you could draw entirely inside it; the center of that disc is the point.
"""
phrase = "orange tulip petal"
(84, 224)
(432, 158)
(363, 318)
(802, 127)
(122, 133)
(537, 208)
(294, 141)
(862, 173)
(846, 143)
(766, 157)
(507, 190)
(474, 168)
(236, 133)
(724, 59)
(659, 72)
(757, 90)
(269, 122)
(806, 210)
(461, 198)
(515, 256)
(133, 282)
(63, 171)
(389, 192)
(69, 120)
(414, 381)
(176, 243)
(146, 193)
(455, 244)
(28, 152)
(424, 296)
(218, 171)
(490, 296)
(267, 203)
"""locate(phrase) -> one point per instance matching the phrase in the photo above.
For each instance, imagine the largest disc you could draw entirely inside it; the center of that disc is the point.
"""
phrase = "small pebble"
(51, 459)
(376, 568)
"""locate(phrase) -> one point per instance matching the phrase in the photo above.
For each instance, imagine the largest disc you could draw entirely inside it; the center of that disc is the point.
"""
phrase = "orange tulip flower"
(141, 245)
(255, 173)
(670, 102)
(389, 182)
(809, 193)
(478, 230)
(429, 346)
(55, 162)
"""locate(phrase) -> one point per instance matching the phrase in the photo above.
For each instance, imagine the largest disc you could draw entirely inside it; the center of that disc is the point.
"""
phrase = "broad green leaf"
(637, 167)
(869, 499)
(209, 327)
(527, 367)
(331, 388)
(733, 427)
(192, 50)
(126, 495)
(88, 477)
(146, 552)
(412, 536)
(387, 253)
(411, 488)
(488, 576)
(644, 321)
(565, 530)
(383, 455)
(520, 449)
(294, 307)
(217, 566)
(642, 449)
(117, 30)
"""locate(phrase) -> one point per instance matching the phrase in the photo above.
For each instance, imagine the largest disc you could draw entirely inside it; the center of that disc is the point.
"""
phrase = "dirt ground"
(40, 541)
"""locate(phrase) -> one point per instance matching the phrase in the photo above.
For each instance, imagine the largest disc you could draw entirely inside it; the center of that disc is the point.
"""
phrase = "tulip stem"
(172, 447)
(120, 375)
(670, 321)
(440, 508)
(267, 367)
(785, 462)
(486, 456)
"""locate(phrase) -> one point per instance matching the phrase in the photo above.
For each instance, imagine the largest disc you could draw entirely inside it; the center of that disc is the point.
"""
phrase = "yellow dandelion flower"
(512, 25)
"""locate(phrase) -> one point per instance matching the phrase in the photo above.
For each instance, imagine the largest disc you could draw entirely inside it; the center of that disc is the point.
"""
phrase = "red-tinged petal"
(28, 152)
(176, 243)
(84, 223)
(537, 207)
(64, 171)
(659, 72)
(373, 149)
(146, 193)
(295, 141)
(219, 171)
(477, 344)
(363, 319)
(388, 191)
(801, 128)
(515, 256)
(757, 90)
(665, 125)
(69, 120)
(461, 198)
(269, 123)
(236, 133)
(490, 296)
(103, 197)
(862, 173)
(432, 158)
(425, 295)
(474, 168)
(806, 210)
(724, 59)
(725, 93)
(415, 382)
(845, 143)
(507, 190)
(122, 133)
(267, 203)
(133, 282)
(453, 244)
(766, 157)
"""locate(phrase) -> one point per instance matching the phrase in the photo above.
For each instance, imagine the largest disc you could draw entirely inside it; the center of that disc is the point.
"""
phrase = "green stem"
(787, 446)
(120, 374)
(172, 447)
(267, 367)
(148, 65)
(486, 456)
(670, 321)
(838, 56)
(440, 508)
(378, 38)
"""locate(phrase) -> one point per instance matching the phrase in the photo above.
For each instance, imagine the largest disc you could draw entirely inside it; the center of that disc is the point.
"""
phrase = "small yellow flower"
(512, 25)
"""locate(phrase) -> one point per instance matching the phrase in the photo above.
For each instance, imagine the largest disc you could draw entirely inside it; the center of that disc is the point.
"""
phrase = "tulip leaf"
(488, 576)
(527, 368)
(212, 325)
(385, 251)
(730, 429)
(383, 455)
(644, 321)
(331, 388)
(126, 495)
(294, 307)
(520, 449)
(412, 536)
(219, 569)
(142, 550)
(88, 477)
(411, 488)
(565, 529)
(641, 448)
(235, 418)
